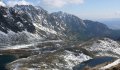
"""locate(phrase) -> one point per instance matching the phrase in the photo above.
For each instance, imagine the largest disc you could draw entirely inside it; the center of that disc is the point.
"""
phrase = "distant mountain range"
(26, 23)
(112, 23)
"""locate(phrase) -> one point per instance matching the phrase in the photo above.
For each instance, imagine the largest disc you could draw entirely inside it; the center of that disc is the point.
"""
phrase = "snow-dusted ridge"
(45, 29)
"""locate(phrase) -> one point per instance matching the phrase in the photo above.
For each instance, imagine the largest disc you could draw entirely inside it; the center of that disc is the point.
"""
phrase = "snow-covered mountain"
(48, 40)
(25, 23)
(103, 47)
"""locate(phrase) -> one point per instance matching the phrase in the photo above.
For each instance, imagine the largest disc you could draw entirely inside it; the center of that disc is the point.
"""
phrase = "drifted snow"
(45, 29)
(19, 46)
(107, 54)
(117, 50)
(103, 47)
(73, 60)
(18, 38)
(110, 65)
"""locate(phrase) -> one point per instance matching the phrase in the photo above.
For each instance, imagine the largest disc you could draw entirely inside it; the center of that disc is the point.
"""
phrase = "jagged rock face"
(78, 29)
(16, 22)
(72, 22)
(26, 20)
(74, 26)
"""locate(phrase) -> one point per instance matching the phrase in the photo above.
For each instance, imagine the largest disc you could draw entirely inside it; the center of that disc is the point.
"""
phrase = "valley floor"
(57, 55)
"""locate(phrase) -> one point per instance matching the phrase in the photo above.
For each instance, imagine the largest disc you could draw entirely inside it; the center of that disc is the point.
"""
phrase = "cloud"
(12, 3)
(54, 3)
(76, 1)
(117, 13)
(47, 3)
(61, 3)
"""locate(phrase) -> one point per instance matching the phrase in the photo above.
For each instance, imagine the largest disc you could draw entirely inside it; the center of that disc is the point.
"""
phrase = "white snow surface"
(18, 38)
(45, 28)
(73, 60)
(2, 4)
(110, 65)
(105, 46)
(19, 46)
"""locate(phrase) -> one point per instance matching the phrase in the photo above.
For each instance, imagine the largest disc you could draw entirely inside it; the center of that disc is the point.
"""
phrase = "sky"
(85, 9)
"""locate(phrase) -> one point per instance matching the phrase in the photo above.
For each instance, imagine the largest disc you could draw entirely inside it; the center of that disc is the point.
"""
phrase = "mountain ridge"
(48, 26)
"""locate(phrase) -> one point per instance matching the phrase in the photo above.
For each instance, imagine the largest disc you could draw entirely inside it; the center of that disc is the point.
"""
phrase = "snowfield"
(73, 60)
(105, 47)
(19, 46)
(45, 28)
(18, 38)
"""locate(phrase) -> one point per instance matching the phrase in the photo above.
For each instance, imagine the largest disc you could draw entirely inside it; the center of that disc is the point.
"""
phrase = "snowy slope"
(25, 23)
(12, 38)
(23, 2)
(104, 47)
(73, 60)
(30, 24)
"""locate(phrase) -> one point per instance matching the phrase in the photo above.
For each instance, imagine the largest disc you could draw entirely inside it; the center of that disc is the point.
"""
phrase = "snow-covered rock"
(73, 60)
(12, 38)
(104, 47)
